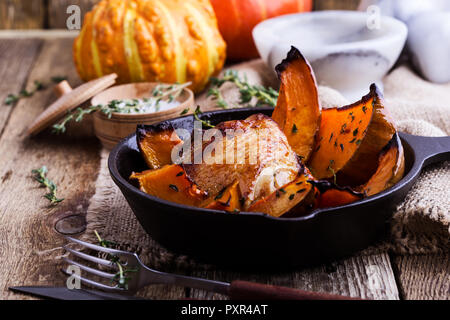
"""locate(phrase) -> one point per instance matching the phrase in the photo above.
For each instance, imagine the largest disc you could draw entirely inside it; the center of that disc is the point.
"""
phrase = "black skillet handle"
(429, 149)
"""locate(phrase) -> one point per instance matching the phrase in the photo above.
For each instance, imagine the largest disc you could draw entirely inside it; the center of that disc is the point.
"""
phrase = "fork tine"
(89, 257)
(94, 283)
(89, 269)
(95, 247)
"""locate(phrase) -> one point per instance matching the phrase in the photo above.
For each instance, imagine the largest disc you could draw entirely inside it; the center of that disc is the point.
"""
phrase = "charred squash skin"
(298, 109)
(229, 199)
(391, 167)
(156, 144)
(172, 184)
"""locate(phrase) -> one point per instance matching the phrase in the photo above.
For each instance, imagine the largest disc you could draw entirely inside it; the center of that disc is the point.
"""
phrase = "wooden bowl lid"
(69, 100)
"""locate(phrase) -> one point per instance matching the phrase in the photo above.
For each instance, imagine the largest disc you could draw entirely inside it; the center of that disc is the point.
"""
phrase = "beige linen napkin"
(420, 224)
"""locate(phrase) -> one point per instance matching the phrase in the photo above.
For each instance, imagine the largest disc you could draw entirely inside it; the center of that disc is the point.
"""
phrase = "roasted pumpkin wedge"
(350, 139)
(391, 167)
(341, 133)
(298, 109)
(295, 197)
(331, 195)
(380, 132)
(229, 199)
(172, 184)
(156, 143)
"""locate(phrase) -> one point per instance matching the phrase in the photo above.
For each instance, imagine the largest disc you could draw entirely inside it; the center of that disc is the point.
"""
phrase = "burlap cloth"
(420, 224)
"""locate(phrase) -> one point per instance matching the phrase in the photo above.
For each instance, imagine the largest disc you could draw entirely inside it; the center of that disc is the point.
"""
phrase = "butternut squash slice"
(391, 167)
(331, 195)
(295, 198)
(156, 144)
(228, 199)
(172, 184)
(298, 109)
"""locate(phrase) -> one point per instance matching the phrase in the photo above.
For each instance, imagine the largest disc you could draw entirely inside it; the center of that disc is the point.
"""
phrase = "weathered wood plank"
(16, 60)
(57, 11)
(424, 277)
(22, 14)
(27, 235)
(336, 4)
(368, 277)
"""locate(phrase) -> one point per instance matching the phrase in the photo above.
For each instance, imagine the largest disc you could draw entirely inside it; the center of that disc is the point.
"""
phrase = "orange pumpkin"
(151, 40)
(238, 17)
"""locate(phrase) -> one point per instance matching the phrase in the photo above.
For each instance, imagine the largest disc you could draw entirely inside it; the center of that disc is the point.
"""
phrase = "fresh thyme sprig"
(170, 91)
(77, 115)
(121, 276)
(161, 92)
(38, 86)
(40, 176)
(206, 123)
(248, 92)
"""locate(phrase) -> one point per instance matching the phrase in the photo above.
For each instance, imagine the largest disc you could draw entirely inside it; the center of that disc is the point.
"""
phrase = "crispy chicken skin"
(253, 151)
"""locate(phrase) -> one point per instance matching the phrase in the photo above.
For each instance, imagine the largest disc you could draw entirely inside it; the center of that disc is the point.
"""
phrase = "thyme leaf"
(330, 168)
(12, 98)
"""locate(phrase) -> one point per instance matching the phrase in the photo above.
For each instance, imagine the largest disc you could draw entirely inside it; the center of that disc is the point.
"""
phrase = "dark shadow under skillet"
(255, 240)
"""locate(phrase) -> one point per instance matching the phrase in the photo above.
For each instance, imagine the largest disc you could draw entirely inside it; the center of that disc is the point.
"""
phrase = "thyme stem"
(159, 93)
(120, 276)
(40, 176)
(206, 123)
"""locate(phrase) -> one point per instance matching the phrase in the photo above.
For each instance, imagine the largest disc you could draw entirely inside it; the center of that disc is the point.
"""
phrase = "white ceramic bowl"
(344, 52)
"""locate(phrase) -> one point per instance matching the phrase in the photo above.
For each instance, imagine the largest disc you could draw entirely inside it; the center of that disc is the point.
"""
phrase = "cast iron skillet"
(249, 240)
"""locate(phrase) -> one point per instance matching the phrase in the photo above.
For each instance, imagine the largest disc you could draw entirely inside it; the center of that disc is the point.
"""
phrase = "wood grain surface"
(22, 14)
(27, 236)
(367, 277)
(57, 11)
(336, 4)
(30, 247)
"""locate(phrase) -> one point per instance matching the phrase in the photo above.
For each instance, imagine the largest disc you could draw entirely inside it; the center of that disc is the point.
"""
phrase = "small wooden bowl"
(111, 130)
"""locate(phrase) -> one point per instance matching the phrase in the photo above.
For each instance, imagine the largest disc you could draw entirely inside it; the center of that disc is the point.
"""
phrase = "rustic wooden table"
(28, 240)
